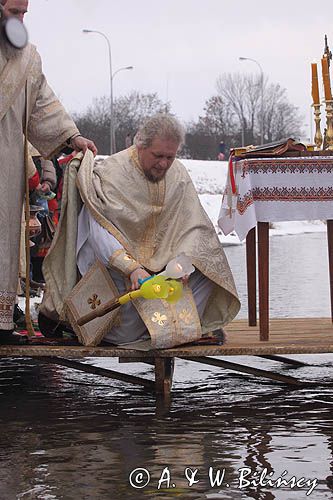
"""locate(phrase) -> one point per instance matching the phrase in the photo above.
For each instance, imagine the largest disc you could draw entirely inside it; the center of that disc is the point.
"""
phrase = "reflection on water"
(68, 435)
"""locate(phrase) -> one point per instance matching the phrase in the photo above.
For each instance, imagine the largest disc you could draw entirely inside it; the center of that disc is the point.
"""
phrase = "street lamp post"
(261, 96)
(112, 114)
(112, 75)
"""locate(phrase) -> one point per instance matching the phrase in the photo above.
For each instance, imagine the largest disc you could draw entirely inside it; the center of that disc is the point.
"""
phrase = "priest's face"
(157, 158)
(12, 8)
(16, 8)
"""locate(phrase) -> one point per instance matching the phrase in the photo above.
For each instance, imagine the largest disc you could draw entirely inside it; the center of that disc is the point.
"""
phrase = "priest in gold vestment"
(140, 210)
(26, 104)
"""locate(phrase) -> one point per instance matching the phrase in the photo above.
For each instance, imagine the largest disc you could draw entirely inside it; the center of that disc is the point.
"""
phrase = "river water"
(74, 436)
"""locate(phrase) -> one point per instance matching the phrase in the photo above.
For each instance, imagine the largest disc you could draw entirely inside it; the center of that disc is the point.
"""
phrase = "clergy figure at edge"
(25, 96)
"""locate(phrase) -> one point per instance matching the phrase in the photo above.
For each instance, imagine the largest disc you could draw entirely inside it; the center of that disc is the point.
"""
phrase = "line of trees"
(129, 112)
(242, 109)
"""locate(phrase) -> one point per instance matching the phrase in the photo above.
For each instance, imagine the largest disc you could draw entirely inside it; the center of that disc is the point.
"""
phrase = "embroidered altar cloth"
(276, 189)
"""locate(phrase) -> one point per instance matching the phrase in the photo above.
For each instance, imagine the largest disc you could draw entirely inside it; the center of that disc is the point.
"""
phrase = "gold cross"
(94, 301)
(186, 316)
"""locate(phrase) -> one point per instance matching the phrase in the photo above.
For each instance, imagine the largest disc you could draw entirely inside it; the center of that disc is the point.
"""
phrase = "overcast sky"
(178, 47)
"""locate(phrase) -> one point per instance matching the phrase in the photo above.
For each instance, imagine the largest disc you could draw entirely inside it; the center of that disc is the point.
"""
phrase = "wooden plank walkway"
(287, 336)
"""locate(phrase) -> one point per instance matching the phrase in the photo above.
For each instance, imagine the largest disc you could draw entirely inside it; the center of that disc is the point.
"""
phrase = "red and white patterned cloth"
(276, 189)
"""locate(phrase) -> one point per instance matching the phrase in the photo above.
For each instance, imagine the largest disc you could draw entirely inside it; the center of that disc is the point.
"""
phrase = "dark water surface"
(68, 435)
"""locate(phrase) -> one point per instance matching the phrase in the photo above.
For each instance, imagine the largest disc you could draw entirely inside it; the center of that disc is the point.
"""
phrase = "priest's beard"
(7, 49)
(151, 177)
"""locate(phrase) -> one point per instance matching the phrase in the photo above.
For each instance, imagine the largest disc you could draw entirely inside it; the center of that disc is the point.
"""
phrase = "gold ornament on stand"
(327, 143)
(318, 138)
(329, 129)
(325, 65)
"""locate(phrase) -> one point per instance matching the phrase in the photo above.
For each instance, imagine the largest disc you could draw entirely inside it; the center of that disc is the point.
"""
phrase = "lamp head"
(179, 267)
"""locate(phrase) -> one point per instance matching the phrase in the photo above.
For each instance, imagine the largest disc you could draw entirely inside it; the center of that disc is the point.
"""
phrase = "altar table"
(260, 191)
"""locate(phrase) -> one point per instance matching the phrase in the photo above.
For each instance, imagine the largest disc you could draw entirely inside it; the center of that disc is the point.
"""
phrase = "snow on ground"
(209, 177)
(297, 227)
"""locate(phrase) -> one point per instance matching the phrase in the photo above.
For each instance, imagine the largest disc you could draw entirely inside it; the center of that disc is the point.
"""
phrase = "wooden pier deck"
(287, 336)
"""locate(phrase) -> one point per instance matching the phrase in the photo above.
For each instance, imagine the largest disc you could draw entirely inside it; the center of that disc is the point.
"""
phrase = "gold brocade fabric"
(22, 81)
(123, 262)
(155, 222)
(170, 324)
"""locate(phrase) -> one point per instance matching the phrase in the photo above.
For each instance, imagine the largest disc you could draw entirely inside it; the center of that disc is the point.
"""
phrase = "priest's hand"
(139, 273)
(80, 143)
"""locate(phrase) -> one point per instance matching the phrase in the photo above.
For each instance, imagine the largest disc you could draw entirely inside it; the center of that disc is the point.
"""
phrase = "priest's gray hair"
(161, 125)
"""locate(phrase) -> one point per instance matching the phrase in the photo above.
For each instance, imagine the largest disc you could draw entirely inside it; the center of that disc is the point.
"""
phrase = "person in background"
(221, 155)
(43, 196)
(60, 165)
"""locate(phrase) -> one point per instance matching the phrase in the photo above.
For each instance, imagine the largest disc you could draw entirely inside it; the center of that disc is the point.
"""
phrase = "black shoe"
(216, 337)
(19, 317)
(9, 337)
(220, 335)
(54, 329)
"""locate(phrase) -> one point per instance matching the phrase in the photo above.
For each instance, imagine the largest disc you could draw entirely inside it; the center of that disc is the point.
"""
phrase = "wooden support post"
(263, 269)
(330, 259)
(163, 375)
(246, 369)
(251, 271)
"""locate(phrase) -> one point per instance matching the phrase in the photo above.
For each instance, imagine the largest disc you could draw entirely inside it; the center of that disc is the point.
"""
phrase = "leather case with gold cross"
(94, 289)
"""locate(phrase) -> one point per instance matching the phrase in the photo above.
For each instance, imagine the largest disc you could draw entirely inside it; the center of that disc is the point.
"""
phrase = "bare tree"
(281, 119)
(129, 111)
(243, 93)
(234, 116)
(218, 118)
(95, 123)
(215, 125)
